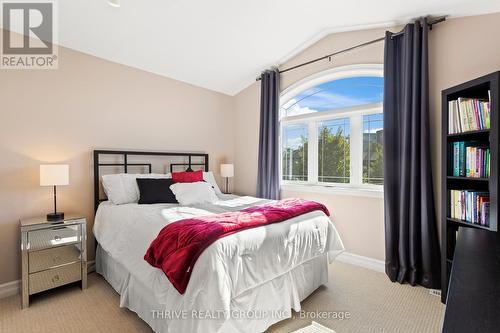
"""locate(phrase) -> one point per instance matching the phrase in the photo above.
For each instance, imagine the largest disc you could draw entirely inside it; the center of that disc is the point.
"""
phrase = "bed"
(244, 282)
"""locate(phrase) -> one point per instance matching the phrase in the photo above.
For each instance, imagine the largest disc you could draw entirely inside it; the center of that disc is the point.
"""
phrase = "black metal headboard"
(125, 164)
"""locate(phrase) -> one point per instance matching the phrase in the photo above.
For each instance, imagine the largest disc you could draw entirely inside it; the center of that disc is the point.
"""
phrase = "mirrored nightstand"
(53, 254)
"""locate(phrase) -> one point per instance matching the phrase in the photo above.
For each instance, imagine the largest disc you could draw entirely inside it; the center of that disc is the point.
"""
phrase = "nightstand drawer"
(54, 236)
(49, 258)
(54, 277)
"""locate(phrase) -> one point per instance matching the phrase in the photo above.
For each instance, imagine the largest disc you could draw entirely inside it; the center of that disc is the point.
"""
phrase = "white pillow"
(122, 188)
(209, 178)
(194, 193)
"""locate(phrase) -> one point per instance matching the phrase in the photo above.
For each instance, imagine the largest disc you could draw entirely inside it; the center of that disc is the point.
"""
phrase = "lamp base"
(58, 216)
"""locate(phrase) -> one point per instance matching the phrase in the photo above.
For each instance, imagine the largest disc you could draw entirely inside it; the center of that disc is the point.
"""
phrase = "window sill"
(335, 190)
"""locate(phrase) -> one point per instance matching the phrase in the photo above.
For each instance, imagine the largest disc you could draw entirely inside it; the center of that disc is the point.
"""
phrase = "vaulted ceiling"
(223, 44)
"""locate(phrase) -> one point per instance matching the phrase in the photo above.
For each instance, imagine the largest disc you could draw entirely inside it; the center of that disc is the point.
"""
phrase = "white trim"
(335, 113)
(371, 191)
(10, 288)
(311, 120)
(90, 266)
(365, 262)
(356, 149)
(312, 150)
(14, 287)
(336, 73)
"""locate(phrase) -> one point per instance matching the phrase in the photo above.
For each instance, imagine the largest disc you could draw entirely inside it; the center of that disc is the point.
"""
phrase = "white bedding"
(227, 271)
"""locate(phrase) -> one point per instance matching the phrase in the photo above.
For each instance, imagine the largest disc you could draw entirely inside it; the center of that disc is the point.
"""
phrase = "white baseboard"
(366, 262)
(10, 288)
(14, 287)
(90, 266)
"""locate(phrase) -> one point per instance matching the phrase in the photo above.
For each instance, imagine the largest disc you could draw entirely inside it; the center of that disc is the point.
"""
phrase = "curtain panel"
(411, 238)
(268, 172)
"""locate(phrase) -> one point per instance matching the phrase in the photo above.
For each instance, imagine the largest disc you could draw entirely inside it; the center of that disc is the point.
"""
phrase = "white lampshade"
(227, 170)
(54, 174)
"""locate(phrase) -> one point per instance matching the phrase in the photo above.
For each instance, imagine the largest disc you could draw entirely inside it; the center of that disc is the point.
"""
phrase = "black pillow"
(154, 190)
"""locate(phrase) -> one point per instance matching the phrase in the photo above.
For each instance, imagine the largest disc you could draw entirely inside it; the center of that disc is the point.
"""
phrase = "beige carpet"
(374, 304)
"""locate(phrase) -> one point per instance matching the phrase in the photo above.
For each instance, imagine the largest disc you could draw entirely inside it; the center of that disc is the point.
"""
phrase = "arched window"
(332, 129)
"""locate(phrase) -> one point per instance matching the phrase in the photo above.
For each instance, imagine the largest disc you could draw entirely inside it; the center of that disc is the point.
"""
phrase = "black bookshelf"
(477, 88)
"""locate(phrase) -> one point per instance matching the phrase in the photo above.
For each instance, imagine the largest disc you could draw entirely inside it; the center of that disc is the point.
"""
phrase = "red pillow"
(187, 177)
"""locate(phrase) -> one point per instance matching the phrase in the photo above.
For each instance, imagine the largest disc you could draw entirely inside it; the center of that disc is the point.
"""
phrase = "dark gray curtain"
(268, 173)
(411, 239)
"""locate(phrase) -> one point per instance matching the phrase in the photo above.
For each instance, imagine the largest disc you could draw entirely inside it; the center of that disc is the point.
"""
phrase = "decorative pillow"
(148, 176)
(194, 193)
(154, 190)
(209, 178)
(121, 188)
(187, 177)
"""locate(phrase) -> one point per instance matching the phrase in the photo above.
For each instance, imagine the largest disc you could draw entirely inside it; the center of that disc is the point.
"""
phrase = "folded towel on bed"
(179, 244)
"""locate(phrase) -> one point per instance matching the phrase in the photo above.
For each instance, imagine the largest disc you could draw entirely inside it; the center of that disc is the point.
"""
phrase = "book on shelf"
(468, 114)
(471, 159)
(470, 206)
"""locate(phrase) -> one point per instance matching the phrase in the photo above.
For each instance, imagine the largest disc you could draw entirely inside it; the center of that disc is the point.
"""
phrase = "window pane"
(336, 94)
(334, 151)
(294, 163)
(373, 130)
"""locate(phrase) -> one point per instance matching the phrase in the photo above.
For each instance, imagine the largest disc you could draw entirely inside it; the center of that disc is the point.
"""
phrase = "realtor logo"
(28, 35)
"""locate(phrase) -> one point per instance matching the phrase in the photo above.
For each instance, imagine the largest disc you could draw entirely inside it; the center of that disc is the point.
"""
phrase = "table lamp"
(227, 171)
(54, 175)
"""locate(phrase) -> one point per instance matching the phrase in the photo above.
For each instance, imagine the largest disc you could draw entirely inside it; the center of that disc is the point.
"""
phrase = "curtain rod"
(328, 56)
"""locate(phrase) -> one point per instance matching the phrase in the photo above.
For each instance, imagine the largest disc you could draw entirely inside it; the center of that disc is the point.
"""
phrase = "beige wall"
(460, 49)
(358, 219)
(61, 115)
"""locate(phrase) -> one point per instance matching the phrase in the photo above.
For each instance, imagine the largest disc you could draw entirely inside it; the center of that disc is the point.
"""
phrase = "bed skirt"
(251, 311)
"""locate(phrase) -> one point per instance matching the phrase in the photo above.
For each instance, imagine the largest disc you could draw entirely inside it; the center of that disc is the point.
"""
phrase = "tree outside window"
(332, 133)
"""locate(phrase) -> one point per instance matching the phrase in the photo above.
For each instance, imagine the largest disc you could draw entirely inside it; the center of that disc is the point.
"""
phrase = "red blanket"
(179, 244)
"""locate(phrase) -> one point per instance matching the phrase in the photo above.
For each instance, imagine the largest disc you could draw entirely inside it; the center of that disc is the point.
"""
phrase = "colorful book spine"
(468, 114)
(485, 213)
(471, 159)
(461, 157)
(456, 159)
(488, 162)
(470, 206)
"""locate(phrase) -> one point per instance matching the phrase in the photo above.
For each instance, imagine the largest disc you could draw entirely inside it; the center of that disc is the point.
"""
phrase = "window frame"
(281, 155)
(311, 120)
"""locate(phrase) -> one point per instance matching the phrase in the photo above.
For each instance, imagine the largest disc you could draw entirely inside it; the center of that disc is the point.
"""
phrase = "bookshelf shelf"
(468, 179)
(469, 135)
(467, 224)
(454, 203)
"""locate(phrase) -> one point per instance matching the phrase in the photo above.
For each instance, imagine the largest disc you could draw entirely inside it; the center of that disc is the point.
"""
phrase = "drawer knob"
(55, 278)
(56, 259)
(57, 238)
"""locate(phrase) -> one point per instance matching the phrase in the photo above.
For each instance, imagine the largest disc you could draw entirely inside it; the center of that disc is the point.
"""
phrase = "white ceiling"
(223, 44)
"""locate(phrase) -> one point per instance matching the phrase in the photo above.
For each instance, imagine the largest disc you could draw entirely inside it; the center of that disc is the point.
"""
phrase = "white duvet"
(227, 269)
